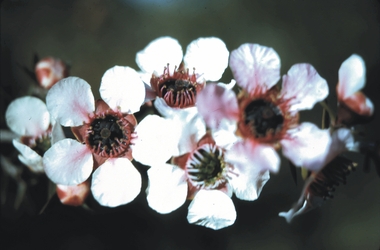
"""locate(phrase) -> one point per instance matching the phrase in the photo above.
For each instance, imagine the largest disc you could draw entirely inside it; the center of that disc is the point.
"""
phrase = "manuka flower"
(29, 118)
(104, 130)
(261, 111)
(175, 78)
(353, 105)
(50, 70)
(208, 174)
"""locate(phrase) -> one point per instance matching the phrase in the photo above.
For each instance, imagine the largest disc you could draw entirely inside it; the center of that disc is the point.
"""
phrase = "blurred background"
(94, 35)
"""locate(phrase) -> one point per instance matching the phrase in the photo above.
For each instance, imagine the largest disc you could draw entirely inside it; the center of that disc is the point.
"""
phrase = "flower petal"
(29, 157)
(70, 101)
(255, 67)
(116, 182)
(216, 104)
(312, 148)
(73, 195)
(304, 87)
(250, 172)
(122, 87)
(192, 126)
(167, 189)
(27, 116)
(249, 155)
(209, 57)
(158, 53)
(157, 140)
(68, 162)
(248, 182)
(352, 75)
(360, 104)
(212, 209)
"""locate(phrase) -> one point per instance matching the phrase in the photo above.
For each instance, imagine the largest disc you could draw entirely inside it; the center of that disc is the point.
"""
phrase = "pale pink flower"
(104, 130)
(261, 111)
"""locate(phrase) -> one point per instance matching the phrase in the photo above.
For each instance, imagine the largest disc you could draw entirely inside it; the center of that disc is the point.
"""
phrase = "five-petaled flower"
(104, 130)
(261, 111)
(175, 78)
(208, 174)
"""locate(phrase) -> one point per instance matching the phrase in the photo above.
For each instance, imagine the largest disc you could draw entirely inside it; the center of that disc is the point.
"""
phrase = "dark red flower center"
(178, 89)
(263, 118)
(109, 135)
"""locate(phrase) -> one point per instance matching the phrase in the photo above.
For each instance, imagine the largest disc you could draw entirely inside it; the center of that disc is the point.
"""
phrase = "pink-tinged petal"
(249, 155)
(312, 148)
(156, 141)
(158, 53)
(360, 104)
(351, 76)
(167, 189)
(304, 87)
(255, 67)
(122, 88)
(70, 101)
(73, 195)
(68, 162)
(212, 209)
(216, 104)
(29, 157)
(250, 168)
(209, 57)
(27, 116)
(116, 182)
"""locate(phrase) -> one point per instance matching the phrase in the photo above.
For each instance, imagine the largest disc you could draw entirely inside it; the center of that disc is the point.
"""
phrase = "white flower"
(178, 79)
(104, 130)
(206, 173)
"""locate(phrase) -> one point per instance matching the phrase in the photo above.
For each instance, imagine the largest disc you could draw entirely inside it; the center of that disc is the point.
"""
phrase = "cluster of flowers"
(206, 142)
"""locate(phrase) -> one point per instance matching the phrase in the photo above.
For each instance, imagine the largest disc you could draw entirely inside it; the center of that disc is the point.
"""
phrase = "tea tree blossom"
(261, 111)
(104, 130)
(208, 174)
(29, 118)
(175, 78)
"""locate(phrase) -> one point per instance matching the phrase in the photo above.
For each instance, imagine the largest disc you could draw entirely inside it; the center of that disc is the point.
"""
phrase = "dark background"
(96, 35)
